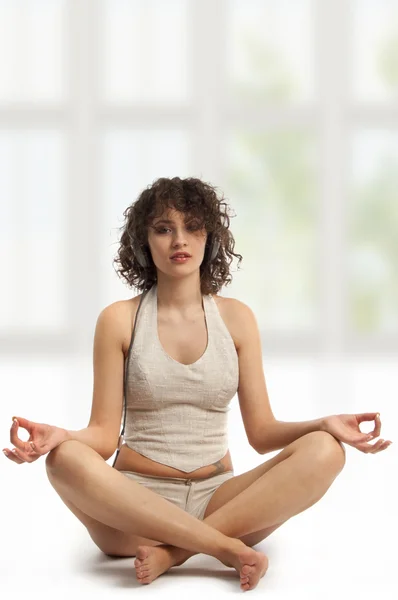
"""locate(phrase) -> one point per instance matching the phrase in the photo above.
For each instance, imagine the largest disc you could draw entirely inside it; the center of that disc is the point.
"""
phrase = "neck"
(179, 298)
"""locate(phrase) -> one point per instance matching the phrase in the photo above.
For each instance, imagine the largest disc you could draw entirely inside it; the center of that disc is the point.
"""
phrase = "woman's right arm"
(102, 432)
(92, 436)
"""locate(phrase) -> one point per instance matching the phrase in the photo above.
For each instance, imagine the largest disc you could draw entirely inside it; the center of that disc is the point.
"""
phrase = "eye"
(192, 227)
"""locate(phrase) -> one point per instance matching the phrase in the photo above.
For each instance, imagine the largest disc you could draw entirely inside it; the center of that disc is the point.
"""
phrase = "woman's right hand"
(42, 439)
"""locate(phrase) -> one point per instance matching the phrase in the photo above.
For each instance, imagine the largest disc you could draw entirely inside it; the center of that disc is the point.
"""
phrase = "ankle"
(233, 547)
(178, 563)
(177, 555)
(237, 546)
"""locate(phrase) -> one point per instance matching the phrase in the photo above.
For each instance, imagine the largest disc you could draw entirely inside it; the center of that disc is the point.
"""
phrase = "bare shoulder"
(235, 314)
(121, 315)
(113, 315)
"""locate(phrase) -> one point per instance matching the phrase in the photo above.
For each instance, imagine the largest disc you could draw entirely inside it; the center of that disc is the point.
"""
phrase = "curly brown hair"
(198, 201)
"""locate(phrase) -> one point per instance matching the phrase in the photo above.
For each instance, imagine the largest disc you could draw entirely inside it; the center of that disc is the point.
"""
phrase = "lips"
(180, 255)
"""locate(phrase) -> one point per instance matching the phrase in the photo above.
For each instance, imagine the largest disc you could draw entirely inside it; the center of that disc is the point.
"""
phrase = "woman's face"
(165, 238)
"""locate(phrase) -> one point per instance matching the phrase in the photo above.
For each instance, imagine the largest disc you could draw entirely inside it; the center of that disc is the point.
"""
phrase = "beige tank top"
(177, 414)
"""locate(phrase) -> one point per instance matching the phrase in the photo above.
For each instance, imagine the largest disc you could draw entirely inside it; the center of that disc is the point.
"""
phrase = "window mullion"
(83, 198)
(207, 77)
(331, 69)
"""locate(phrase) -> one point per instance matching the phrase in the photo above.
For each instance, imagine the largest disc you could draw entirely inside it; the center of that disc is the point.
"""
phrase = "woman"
(178, 353)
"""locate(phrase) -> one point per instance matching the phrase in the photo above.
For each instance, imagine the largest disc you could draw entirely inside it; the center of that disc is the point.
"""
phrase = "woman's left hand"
(346, 429)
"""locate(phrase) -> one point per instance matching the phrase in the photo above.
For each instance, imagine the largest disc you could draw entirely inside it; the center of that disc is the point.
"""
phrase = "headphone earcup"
(141, 258)
(214, 248)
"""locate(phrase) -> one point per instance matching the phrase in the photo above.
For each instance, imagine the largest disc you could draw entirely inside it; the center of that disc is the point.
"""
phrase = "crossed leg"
(276, 490)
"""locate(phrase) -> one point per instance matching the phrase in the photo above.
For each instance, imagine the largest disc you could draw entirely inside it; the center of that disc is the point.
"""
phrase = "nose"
(179, 236)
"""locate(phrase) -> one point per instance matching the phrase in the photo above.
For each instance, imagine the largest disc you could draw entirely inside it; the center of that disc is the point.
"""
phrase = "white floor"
(344, 546)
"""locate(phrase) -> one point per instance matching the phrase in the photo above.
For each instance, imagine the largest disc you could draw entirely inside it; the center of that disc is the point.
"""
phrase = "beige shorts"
(192, 495)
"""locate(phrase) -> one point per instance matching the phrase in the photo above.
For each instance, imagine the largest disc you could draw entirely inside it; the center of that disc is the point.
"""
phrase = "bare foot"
(250, 564)
(152, 561)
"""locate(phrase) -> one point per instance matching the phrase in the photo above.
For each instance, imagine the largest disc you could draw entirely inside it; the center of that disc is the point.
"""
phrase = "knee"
(327, 449)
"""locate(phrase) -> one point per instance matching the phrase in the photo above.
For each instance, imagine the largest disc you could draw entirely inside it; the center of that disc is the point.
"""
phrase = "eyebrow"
(164, 221)
(168, 221)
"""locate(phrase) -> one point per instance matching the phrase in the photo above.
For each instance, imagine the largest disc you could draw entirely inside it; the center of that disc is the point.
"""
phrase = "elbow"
(112, 449)
(109, 453)
(264, 442)
(257, 447)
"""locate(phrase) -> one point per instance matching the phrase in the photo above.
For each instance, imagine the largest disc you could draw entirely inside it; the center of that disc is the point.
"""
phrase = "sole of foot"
(250, 564)
(150, 562)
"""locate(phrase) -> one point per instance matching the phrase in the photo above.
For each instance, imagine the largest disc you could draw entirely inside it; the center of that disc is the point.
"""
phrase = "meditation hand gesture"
(346, 429)
(42, 439)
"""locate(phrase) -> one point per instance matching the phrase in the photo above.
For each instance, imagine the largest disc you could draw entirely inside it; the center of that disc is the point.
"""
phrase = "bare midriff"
(130, 460)
(186, 350)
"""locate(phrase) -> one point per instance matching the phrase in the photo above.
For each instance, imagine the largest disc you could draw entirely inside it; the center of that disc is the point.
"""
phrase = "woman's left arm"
(344, 428)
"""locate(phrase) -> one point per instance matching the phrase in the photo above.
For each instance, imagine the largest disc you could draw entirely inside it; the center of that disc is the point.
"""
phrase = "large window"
(290, 108)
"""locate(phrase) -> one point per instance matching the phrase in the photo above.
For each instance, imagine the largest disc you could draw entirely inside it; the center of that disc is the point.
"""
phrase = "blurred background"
(290, 108)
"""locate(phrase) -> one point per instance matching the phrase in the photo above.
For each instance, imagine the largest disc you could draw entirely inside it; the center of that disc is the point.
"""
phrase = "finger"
(30, 455)
(388, 445)
(382, 446)
(378, 425)
(370, 416)
(374, 448)
(14, 439)
(368, 448)
(36, 449)
(25, 423)
(13, 432)
(376, 431)
(21, 455)
(12, 456)
(33, 450)
(377, 447)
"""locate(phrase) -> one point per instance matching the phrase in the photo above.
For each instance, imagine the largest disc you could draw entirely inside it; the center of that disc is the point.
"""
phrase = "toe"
(142, 553)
